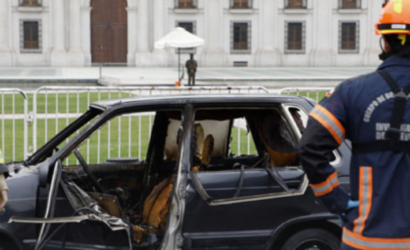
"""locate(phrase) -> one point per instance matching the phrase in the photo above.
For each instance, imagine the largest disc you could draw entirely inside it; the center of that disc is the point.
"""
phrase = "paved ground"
(270, 77)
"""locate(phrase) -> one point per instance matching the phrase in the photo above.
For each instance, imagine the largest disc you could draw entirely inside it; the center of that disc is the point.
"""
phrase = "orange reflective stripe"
(330, 122)
(327, 191)
(368, 198)
(327, 186)
(332, 117)
(327, 126)
(365, 198)
(352, 244)
(350, 236)
(322, 184)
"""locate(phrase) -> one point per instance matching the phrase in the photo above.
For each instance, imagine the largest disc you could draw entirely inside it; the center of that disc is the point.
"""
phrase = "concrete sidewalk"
(271, 77)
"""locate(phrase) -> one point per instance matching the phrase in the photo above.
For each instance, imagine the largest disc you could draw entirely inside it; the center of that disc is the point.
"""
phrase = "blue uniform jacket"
(360, 110)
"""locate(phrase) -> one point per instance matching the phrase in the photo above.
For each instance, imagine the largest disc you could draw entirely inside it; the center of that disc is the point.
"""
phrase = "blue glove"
(350, 204)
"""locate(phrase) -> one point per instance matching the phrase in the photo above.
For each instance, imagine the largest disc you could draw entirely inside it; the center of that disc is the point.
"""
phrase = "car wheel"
(312, 239)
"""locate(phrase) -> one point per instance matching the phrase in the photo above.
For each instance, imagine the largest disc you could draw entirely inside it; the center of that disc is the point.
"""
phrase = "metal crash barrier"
(14, 124)
(54, 108)
(316, 94)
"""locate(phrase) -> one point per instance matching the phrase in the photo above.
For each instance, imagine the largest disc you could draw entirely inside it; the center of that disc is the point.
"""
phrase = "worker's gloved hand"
(350, 205)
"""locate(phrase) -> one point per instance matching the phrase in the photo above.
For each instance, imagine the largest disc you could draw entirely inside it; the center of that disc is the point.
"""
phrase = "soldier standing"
(191, 66)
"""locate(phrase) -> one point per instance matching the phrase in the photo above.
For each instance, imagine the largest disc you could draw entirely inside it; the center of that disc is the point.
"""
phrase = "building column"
(76, 53)
(143, 55)
(322, 53)
(86, 33)
(372, 46)
(59, 53)
(5, 50)
(268, 54)
(160, 56)
(132, 34)
(213, 53)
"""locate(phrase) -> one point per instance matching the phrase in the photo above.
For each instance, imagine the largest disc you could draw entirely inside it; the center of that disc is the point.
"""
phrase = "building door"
(109, 31)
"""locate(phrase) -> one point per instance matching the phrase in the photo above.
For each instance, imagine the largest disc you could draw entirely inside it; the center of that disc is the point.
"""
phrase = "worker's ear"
(386, 45)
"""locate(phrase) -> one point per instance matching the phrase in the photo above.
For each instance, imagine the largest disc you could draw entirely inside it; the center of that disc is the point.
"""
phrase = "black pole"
(179, 63)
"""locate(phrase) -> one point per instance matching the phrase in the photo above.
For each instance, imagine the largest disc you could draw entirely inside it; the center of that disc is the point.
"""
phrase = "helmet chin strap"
(384, 55)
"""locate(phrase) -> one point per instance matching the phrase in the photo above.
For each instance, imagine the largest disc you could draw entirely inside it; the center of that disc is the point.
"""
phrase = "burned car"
(190, 190)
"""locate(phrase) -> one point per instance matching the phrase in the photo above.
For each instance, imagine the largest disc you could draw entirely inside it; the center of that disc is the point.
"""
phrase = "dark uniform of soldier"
(191, 66)
(373, 112)
(3, 185)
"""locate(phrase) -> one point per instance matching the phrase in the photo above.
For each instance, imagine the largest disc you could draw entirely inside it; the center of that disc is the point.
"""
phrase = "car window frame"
(226, 201)
(286, 106)
(98, 122)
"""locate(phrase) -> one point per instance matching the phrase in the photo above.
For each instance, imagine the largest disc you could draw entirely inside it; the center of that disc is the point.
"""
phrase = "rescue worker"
(3, 185)
(191, 66)
(373, 112)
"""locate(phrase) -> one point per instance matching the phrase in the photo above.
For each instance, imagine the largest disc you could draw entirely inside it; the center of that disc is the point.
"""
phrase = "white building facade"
(255, 33)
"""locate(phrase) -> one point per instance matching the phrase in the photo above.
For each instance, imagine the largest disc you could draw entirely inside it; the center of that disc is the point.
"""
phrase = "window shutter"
(249, 45)
(31, 36)
(232, 36)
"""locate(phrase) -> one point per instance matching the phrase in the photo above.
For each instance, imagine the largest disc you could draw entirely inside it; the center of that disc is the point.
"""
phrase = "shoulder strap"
(390, 81)
(400, 100)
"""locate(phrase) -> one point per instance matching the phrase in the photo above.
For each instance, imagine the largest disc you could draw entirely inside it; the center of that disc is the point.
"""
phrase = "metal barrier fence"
(53, 108)
(314, 93)
(14, 126)
(56, 107)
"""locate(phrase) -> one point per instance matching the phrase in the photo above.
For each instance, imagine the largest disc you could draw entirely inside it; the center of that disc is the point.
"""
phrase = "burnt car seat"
(156, 205)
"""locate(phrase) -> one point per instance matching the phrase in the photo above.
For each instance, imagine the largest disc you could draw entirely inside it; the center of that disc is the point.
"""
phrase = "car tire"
(312, 239)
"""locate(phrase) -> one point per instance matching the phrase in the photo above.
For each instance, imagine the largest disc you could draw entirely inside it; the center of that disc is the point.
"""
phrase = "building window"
(296, 4)
(30, 36)
(295, 37)
(349, 4)
(349, 37)
(189, 26)
(241, 37)
(30, 3)
(186, 4)
(241, 4)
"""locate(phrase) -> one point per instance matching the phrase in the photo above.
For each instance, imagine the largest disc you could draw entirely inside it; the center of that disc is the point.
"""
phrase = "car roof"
(183, 99)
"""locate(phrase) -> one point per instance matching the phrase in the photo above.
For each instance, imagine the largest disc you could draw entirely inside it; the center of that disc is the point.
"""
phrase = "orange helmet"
(395, 18)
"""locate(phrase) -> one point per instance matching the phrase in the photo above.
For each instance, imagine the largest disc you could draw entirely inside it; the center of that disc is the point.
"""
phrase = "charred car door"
(235, 201)
(104, 198)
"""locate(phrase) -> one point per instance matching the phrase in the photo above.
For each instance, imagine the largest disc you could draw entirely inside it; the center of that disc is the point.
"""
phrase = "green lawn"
(122, 142)
(243, 150)
(317, 96)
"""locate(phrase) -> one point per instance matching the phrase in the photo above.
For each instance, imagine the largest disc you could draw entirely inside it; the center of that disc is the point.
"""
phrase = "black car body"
(258, 200)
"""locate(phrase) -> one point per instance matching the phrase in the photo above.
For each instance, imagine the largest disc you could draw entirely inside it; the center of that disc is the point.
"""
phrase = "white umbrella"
(179, 38)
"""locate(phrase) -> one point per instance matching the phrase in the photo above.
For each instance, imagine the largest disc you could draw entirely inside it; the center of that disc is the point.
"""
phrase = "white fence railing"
(314, 93)
(14, 126)
(53, 108)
